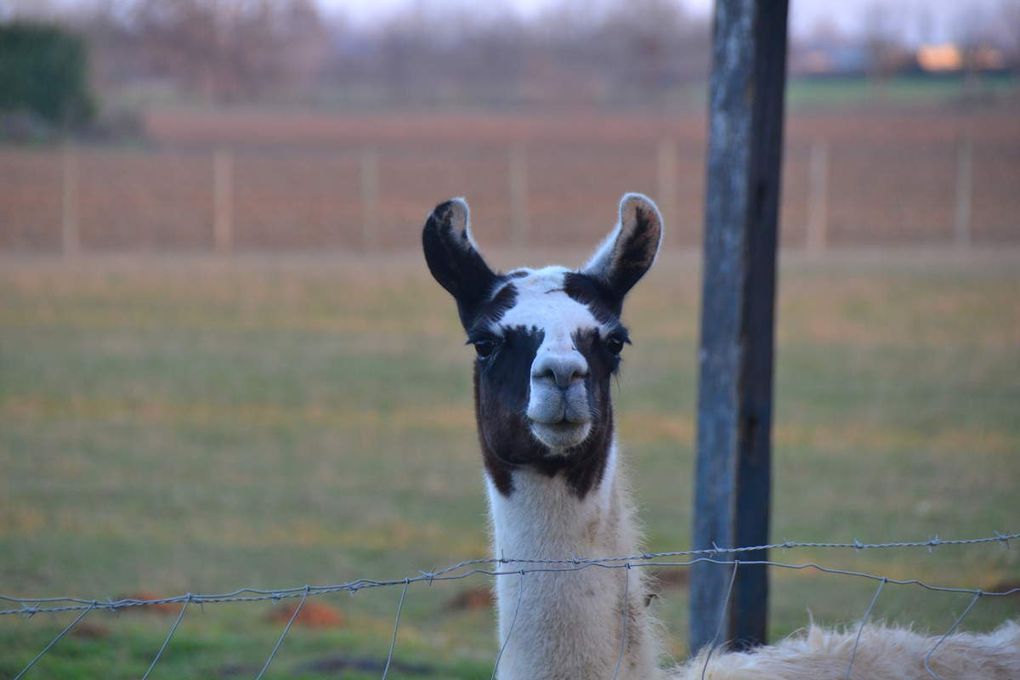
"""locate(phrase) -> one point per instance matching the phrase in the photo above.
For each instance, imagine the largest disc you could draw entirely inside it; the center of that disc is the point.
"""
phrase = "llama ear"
(630, 249)
(453, 259)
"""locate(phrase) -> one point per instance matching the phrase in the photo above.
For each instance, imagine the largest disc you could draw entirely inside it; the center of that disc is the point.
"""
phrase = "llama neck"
(569, 625)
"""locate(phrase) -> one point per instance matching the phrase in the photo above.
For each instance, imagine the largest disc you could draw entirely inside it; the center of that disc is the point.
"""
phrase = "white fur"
(461, 219)
(569, 624)
(884, 653)
(542, 303)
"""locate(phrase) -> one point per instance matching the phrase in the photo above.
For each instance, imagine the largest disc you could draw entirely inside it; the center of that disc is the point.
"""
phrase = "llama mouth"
(561, 435)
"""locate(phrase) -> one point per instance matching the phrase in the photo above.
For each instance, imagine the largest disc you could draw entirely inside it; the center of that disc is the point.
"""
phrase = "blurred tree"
(883, 27)
(44, 70)
(1008, 20)
(460, 52)
(229, 50)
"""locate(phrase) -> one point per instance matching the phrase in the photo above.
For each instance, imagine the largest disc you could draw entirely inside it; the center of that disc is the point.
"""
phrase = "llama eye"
(484, 347)
(614, 344)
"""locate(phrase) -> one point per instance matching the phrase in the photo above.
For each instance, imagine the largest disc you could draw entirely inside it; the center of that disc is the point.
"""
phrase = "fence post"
(668, 180)
(818, 197)
(964, 190)
(517, 159)
(369, 200)
(223, 202)
(733, 475)
(70, 240)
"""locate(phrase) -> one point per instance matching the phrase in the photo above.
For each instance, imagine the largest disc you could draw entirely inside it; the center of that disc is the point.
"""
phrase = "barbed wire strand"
(52, 642)
(513, 622)
(860, 629)
(624, 618)
(283, 633)
(722, 618)
(950, 631)
(32, 606)
(396, 626)
(169, 635)
(566, 566)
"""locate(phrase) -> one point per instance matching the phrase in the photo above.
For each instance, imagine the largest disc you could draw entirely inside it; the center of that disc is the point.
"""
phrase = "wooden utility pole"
(517, 165)
(70, 239)
(369, 184)
(668, 177)
(818, 197)
(223, 202)
(964, 191)
(733, 480)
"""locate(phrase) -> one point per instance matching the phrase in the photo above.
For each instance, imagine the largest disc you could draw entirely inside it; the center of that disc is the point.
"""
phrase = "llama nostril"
(574, 377)
(560, 371)
(548, 375)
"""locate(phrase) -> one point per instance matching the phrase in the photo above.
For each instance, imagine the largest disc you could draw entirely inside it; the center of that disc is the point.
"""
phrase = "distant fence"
(520, 568)
(835, 193)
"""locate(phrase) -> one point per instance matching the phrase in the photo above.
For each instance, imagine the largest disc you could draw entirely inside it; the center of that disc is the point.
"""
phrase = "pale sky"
(917, 20)
(935, 17)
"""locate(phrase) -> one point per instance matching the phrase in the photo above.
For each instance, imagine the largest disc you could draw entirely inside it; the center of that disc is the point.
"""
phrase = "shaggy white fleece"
(883, 653)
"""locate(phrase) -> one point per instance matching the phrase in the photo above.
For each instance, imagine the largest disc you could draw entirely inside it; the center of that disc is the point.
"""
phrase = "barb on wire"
(722, 618)
(65, 631)
(952, 629)
(396, 626)
(860, 629)
(1003, 539)
(170, 634)
(283, 634)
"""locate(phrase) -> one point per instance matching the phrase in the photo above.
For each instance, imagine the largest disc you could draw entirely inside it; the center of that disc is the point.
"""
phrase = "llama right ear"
(453, 259)
(630, 249)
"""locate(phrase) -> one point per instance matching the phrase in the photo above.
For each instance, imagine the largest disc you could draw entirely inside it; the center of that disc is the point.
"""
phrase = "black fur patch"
(604, 303)
(634, 255)
(502, 384)
(455, 263)
(493, 310)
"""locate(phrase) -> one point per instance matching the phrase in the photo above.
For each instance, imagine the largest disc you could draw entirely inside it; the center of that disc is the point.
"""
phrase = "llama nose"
(562, 370)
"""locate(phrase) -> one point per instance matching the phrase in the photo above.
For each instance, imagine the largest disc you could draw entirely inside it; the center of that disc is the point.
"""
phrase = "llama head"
(548, 342)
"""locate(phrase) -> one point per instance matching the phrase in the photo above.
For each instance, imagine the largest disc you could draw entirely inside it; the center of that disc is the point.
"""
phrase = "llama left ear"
(630, 249)
(454, 260)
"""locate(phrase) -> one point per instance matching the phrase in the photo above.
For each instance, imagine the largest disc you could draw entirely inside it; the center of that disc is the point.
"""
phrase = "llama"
(548, 342)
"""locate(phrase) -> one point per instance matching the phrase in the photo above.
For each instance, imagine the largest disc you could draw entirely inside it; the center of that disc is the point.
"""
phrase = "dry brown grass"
(296, 178)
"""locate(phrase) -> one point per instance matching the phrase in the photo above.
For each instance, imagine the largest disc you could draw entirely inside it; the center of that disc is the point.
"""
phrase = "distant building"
(952, 58)
(945, 58)
(847, 59)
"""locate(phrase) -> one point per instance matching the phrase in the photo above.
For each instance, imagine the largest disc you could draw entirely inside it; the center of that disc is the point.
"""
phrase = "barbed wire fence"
(521, 568)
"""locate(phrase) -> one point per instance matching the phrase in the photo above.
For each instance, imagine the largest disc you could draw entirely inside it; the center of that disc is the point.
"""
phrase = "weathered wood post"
(964, 191)
(818, 197)
(517, 171)
(369, 185)
(668, 177)
(733, 484)
(223, 201)
(70, 238)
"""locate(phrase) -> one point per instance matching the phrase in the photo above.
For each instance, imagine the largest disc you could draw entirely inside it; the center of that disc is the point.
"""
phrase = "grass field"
(199, 425)
(910, 91)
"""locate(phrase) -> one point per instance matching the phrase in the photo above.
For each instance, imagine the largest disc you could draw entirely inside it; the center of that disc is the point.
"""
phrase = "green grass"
(196, 425)
(898, 91)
